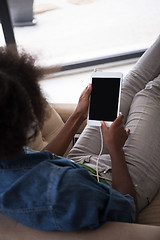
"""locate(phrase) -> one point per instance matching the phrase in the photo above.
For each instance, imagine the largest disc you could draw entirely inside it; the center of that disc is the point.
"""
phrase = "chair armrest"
(9, 229)
(65, 111)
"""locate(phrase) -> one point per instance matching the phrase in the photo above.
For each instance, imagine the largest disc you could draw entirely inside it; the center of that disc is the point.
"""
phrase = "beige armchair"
(148, 223)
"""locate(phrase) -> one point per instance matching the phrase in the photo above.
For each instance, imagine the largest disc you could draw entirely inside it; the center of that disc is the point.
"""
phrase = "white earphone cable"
(99, 153)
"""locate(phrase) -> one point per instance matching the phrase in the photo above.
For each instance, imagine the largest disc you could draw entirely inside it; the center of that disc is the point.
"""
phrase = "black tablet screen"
(104, 99)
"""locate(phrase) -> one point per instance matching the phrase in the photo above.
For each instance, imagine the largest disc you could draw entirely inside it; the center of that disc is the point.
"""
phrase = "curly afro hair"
(22, 104)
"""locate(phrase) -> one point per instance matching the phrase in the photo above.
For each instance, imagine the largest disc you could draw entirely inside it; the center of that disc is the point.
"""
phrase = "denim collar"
(26, 160)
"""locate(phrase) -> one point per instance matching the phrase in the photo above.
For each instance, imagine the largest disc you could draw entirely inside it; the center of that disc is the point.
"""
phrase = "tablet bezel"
(119, 75)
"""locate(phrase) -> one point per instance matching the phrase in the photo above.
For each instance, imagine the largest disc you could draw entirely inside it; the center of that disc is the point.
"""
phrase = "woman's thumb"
(104, 127)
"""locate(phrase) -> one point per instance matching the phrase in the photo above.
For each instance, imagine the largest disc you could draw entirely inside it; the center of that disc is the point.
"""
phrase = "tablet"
(105, 98)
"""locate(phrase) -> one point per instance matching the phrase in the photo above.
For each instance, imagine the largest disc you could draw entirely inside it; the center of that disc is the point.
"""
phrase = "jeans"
(140, 104)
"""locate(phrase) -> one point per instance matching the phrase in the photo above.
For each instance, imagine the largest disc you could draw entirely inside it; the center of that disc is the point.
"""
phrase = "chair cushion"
(151, 214)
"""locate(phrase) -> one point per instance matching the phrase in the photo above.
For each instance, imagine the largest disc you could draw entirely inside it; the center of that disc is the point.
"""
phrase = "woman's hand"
(116, 136)
(60, 143)
(82, 107)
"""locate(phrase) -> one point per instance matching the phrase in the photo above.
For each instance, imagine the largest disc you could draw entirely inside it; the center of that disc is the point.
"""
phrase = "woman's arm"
(115, 138)
(61, 142)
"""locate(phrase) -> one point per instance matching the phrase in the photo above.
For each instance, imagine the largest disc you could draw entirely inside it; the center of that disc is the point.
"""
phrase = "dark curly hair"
(22, 104)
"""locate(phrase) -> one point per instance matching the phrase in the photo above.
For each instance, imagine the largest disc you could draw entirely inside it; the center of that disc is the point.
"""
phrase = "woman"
(40, 189)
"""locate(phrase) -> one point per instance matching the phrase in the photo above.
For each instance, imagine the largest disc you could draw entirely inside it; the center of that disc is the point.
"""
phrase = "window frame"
(10, 39)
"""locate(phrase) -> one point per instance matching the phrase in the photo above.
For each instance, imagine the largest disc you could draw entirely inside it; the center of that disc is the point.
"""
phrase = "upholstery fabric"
(11, 230)
(51, 127)
(151, 214)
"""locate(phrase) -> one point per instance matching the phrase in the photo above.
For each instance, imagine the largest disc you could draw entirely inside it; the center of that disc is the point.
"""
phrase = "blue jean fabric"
(46, 192)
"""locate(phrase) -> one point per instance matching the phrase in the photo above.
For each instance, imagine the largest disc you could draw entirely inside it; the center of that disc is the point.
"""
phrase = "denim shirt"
(47, 192)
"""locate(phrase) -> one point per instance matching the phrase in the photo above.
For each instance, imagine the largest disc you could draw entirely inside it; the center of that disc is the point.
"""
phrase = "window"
(69, 31)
